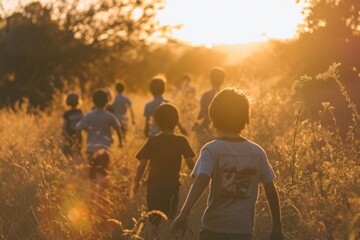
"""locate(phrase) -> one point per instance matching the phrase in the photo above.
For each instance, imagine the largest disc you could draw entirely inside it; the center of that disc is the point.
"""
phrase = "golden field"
(44, 195)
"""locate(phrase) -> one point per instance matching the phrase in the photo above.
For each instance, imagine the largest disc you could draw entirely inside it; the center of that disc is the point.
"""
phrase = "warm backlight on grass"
(210, 22)
(77, 213)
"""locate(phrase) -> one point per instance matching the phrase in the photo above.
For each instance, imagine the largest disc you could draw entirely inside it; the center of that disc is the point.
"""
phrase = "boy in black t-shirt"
(70, 119)
(164, 151)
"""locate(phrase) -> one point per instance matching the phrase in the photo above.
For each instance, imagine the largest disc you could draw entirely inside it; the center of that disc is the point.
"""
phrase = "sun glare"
(212, 22)
(78, 216)
(209, 22)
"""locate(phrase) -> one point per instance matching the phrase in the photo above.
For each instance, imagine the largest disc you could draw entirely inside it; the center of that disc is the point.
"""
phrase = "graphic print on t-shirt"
(235, 181)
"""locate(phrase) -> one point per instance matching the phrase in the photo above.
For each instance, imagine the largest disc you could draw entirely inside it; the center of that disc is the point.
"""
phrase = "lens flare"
(78, 215)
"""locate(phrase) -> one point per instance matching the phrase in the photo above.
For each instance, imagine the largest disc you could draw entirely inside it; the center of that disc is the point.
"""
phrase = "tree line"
(49, 47)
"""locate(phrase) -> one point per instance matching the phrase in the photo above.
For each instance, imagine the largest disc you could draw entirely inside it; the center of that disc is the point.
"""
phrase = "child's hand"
(276, 234)
(179, 223)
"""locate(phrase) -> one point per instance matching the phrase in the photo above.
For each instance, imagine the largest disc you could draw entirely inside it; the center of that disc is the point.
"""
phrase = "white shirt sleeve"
(267, 174)
(205, 163)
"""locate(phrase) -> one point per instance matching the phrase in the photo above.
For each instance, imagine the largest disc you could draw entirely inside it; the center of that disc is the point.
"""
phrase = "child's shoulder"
(77, 111)
(210, 92)
(254, 148)
(121, 96)
(100, 116)
(156, 101)
(245, 143)
(108, 113)
(66, 113)
(149, 102)
(69, 112)
(254, 145)
(180, 137)
(170, 137)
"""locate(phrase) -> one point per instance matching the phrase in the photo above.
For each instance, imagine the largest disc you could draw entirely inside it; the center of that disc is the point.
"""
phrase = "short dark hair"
(229, 111)
(72, 99)
(166, 116)
(108, 92)
(217, 76)
(157, 86)
(186, 77)
(100, 98)
(120, 86)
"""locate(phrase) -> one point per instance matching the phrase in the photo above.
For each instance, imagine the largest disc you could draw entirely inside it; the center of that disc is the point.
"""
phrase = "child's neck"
(100, 108)
(221, 134)
(168, 132)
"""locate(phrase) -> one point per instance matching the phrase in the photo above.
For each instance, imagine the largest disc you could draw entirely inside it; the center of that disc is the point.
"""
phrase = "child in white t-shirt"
(236, 167)
(98, 125)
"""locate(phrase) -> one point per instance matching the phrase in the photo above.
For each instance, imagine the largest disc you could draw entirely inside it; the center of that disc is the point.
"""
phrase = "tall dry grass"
(44, 195)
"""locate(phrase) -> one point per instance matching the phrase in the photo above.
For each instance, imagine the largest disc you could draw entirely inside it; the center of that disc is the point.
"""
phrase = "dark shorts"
(210, 235)
(99, 163)
(162, 196)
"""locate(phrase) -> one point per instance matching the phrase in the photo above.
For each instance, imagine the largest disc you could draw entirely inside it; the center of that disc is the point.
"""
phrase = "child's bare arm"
(119, 135)
(202, 111)
(139, 173)
(197, 188)
(273, 200)
(147, 126)
(116, 125)
(190, 162)
(63, 127)
(132, 115)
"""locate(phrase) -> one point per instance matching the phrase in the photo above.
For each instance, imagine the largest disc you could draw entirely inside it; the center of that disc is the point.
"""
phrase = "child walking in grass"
(121, 106)
(157, 88)
(217, 77)
(236, 167)
(71, 117)
(98, 125)
(164, 152)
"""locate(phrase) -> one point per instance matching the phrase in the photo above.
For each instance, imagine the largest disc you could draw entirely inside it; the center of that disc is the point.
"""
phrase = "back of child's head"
(229, 111)
(186, 77)
(217, 77)
(157, 86)
(120, 86)
(72, 99)
(166, 116)
(100, 98)
(109, 93)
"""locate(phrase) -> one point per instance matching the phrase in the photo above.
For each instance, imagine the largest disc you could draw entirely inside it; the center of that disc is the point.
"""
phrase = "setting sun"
(230, 22)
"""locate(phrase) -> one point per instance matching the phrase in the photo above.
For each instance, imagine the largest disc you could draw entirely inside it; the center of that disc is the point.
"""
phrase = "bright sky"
(211, 22)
